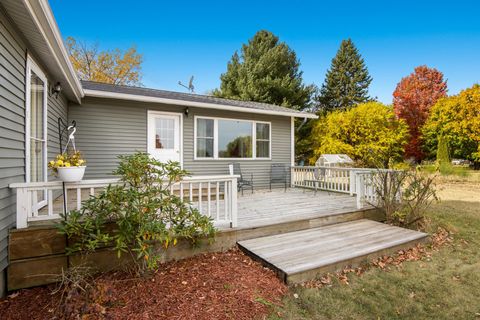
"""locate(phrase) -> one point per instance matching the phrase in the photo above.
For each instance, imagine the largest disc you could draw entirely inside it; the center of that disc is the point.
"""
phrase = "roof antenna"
(190, 86)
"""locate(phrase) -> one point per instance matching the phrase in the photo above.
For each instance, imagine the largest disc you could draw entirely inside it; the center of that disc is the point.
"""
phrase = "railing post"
(360, 190)
(233, 202)
(22, 208)
(292, 177)
(352, 182)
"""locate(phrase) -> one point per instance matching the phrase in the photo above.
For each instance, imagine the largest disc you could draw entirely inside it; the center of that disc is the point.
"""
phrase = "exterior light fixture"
(56, 89)
(186, 111)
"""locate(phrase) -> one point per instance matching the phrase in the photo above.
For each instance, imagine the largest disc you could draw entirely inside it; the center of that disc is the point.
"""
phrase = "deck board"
(269, 207)
(300, 252)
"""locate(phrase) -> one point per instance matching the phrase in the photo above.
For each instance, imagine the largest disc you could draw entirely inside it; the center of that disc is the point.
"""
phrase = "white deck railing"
(213, 196)
(354, 181)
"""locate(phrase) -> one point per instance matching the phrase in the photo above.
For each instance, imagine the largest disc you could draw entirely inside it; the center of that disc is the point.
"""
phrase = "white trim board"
(134, 97)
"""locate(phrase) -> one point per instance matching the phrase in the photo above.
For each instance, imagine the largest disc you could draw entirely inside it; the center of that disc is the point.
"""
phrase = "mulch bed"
(225, 285)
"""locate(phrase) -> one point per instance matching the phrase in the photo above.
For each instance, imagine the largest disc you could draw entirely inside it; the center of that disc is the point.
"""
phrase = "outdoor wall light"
(56, 89)
(186, 111)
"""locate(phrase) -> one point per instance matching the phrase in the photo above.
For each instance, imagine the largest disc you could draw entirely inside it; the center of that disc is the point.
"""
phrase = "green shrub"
(443, 157)
(140, 216)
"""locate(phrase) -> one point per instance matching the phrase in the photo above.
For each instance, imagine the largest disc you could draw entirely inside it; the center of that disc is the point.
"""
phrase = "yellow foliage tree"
(113, 66)
(457, 119)
(370, 133)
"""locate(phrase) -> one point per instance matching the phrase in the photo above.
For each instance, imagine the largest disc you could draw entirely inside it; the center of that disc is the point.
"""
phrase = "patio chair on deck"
(319, 175)
(242, 182)
(278, 174)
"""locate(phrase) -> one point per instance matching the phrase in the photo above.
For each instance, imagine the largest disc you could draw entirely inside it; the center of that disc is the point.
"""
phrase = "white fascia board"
(43, 17)
(134, 97)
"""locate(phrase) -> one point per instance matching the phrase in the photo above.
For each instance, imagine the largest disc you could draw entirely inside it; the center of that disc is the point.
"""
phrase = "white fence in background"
(213, 196)
(359, 182)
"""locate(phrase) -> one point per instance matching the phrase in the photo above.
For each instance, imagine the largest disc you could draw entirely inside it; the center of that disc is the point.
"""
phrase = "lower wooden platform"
(302, 255)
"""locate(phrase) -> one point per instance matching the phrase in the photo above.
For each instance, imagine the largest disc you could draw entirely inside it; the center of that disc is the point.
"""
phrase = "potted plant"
(68, 167)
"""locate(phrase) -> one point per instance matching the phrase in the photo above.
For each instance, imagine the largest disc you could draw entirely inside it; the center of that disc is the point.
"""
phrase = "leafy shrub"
(368, 132)
(137, 215)
(403, 195)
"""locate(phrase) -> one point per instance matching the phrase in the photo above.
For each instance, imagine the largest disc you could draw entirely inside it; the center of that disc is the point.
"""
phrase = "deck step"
(303, 255)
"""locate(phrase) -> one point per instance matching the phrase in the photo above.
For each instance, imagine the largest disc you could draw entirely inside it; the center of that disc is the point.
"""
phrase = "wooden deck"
(274, 207)
(302, 255)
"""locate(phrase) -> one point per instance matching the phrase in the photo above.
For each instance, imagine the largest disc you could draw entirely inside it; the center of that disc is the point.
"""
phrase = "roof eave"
(134, 97)
(42, 16)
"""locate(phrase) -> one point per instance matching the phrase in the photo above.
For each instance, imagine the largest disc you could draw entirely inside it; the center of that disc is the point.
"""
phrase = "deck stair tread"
(333, 245)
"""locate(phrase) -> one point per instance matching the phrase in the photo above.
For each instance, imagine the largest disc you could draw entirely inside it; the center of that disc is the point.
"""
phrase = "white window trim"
(32, 66)
(159, 113)
(215, 139)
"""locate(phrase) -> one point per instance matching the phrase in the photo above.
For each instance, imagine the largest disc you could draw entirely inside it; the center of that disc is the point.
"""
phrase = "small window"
(165, 133)
(205, 138)
(263, 140)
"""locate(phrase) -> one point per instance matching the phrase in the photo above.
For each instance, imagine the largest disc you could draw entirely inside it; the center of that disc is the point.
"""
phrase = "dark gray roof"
(89, 85)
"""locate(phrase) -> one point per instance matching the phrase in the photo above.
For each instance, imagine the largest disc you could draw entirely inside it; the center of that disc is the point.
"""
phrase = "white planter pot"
(71, 174)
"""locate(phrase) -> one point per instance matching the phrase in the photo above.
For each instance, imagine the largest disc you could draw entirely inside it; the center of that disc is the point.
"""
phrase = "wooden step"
(303, 255)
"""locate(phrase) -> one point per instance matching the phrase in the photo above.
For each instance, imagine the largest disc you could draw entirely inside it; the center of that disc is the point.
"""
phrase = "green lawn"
(444, 286)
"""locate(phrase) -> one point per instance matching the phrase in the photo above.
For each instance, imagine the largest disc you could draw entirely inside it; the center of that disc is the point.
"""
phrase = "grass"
(448, 170)
(444, 286)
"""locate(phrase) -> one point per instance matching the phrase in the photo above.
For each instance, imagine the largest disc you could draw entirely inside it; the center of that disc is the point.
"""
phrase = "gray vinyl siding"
(107, 128)
(12, 127)
(13, 52)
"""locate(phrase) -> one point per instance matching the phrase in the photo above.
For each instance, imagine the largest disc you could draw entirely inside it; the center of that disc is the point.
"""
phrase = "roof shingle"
(156, 93)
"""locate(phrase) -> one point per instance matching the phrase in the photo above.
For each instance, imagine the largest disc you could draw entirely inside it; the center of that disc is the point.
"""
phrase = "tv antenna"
(190, 86)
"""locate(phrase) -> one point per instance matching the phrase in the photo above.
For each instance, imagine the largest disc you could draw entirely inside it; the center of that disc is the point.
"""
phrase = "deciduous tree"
(369, 133)
(110, 66)
(412, 100)
(347, 80)
(268, 71)
(457, 119)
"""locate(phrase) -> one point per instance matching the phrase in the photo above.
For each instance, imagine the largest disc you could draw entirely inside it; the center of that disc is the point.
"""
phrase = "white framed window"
(226, 139)
(36, 96)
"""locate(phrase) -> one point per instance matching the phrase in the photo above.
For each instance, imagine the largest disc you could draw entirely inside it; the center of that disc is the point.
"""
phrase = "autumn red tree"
(412, 100)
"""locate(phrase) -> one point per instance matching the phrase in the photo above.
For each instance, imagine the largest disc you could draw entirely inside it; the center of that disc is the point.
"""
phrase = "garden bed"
(225, 285)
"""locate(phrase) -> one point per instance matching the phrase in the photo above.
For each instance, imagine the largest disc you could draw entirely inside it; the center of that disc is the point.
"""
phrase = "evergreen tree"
(442, 151)
(266, 71)
(347, 80)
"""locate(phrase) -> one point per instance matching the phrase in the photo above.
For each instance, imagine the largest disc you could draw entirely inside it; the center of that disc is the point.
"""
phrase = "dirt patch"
(225, 285)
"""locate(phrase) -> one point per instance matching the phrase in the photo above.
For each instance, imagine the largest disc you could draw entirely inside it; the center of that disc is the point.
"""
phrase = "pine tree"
(267, 70)
(347, 80)
(442, 151)
(443, 157)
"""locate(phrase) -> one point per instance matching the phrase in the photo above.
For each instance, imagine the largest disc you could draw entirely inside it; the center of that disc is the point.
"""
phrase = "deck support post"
(233, 202)
(22, 208)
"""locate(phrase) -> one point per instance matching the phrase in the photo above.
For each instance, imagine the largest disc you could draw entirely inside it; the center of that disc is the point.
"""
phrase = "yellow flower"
(80, 162)
(52, 163)
(67, 164)
(59, 162)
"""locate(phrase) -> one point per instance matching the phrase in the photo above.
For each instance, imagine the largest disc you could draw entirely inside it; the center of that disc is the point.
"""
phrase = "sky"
(183, 38)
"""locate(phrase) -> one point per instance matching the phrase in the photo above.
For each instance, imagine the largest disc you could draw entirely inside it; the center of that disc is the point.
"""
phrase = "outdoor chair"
(242, 182)
(319, 175)
(279, 174)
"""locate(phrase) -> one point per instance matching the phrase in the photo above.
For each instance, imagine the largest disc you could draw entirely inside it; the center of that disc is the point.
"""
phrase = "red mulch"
(225, 285)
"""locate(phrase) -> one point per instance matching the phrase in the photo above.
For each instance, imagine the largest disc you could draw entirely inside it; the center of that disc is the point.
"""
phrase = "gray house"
(203, 133)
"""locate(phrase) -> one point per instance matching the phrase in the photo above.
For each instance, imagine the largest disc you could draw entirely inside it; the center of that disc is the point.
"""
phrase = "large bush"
(140, 217)
(368, 133)
(457, 119)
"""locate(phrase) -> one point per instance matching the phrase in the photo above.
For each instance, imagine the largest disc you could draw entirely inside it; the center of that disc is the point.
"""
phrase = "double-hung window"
(219, 138)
